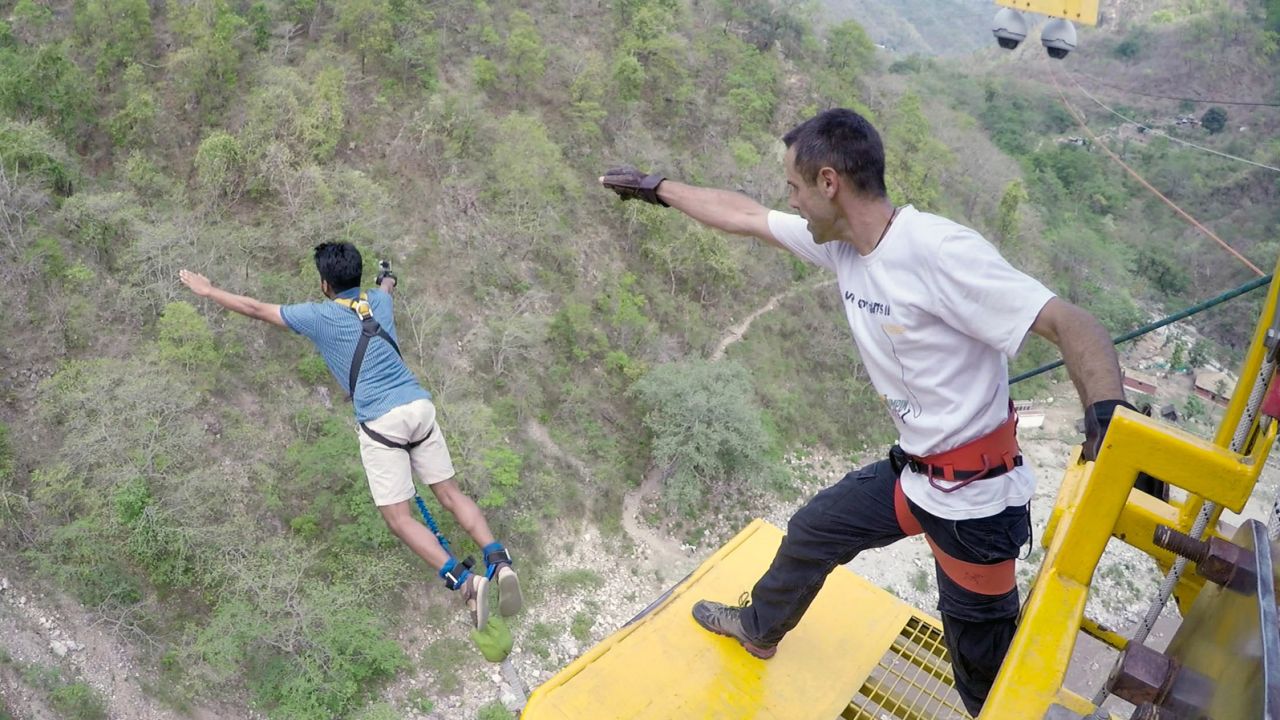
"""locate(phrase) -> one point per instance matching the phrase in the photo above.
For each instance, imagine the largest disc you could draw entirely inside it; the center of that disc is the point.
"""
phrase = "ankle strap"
(455, 573)
(498, 555)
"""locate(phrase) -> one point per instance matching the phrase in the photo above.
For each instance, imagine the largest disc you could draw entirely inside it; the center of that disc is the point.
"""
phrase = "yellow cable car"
(1058, 35)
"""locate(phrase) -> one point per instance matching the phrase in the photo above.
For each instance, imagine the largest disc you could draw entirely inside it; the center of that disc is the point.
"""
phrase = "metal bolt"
(1217, 560)
(1142, 675)
(1181, 544)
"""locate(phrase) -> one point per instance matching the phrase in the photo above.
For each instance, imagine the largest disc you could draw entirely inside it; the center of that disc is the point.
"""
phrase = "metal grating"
(912, 681)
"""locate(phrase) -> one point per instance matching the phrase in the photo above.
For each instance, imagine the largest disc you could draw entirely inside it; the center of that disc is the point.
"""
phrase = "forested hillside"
(190, 478)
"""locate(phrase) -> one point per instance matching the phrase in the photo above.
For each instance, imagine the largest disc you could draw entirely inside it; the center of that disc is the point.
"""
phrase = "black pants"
(858, 514)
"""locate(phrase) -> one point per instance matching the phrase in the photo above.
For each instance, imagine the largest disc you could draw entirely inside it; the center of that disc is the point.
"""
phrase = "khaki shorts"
(391, 470)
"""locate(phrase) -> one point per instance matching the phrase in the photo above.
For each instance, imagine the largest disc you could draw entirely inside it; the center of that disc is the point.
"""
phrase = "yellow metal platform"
(859, 653)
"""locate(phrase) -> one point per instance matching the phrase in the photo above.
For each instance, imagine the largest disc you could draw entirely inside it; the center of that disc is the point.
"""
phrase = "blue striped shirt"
(385, 381)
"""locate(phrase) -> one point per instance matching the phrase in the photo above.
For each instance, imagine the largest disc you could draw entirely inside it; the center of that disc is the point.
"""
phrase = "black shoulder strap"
(369, 328)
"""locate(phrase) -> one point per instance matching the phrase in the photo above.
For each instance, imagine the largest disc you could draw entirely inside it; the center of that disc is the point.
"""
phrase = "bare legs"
(400, 518)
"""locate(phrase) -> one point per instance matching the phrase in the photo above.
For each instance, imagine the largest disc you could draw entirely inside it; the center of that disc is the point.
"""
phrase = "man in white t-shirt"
(935, 312)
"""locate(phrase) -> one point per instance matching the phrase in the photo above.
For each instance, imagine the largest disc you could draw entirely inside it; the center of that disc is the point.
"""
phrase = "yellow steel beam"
(1097, 501)
(1078, 11)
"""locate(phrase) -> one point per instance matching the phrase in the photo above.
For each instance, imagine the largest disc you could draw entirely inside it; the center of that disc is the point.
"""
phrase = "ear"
(829, 182)
(325, 289)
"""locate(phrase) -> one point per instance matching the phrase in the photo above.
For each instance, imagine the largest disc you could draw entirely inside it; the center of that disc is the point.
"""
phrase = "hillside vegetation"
(192, 476)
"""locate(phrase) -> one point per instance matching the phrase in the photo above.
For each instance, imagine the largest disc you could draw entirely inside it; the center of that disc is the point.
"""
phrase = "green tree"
(133, 125)
(587, 95)
(650, 53)
(1198, 355)
(849, 49)
(220, 165)
(324, 119)
(1166, 274)
(208, 66)
(31, 148)
(752, 84)
(366, 25)
(913, 156)
(183, 337)
(30, 21)
(704, 421)
(118, 31)
(416, 47)
(1214, 119)
(1007, 220)
(45, 83)
(1178, 358)
(526, 56)
(530, 177)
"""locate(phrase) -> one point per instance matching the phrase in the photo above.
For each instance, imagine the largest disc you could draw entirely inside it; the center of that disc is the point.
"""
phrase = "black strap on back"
(369, 329)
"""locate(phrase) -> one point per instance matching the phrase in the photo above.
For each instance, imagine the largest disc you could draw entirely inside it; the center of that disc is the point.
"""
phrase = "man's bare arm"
(724, 210)
(242, 304)
(1086, 348)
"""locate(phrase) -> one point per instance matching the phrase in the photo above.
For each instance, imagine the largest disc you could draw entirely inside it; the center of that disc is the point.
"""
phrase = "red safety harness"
(996, 579)
(991, 455)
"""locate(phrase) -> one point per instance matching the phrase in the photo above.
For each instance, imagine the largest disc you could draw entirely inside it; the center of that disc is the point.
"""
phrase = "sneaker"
(726, 620)
(475, 593)
(509, 598)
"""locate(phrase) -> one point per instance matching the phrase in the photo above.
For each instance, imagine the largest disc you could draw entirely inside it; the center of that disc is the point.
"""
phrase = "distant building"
(1140, 382)
(1215, 387)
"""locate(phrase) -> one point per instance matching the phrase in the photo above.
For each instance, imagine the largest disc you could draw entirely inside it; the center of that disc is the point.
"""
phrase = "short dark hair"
(339, 265)
(843, 140)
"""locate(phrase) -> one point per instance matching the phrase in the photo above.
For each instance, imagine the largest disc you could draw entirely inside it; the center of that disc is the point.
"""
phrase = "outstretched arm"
(242, 304)
(1091, 362)
(724, 210)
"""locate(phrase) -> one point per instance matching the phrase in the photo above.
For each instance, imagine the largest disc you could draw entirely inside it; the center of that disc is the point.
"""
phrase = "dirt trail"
(657, 551)
(737, 331)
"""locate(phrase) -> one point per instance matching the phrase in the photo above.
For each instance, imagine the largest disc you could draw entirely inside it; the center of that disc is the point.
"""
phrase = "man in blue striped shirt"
(396, 420)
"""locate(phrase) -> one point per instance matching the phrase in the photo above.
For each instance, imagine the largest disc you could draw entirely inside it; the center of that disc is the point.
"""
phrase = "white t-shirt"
(934, 311)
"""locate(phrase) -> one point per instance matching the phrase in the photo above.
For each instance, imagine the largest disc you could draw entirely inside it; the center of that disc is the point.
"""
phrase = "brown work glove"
(1096, 419)
(629, 183)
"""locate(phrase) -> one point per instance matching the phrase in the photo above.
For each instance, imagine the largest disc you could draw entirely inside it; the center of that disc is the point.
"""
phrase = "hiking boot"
(475, 593)
(726, 620)
(510, 599)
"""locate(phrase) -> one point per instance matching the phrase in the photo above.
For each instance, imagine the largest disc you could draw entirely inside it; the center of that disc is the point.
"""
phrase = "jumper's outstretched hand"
(629, 183)
(198, 283)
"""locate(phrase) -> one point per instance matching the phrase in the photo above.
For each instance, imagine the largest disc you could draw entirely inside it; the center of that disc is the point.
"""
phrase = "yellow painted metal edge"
(1078, 11)
(584, 660)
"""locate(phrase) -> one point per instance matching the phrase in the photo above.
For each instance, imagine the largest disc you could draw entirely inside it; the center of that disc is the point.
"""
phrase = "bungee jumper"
(355, 333)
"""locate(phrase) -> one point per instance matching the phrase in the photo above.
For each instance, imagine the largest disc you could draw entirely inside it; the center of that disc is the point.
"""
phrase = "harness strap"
(990, 455)
(906, 520)
(369, 329)
(383, 439)
(996, 579)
